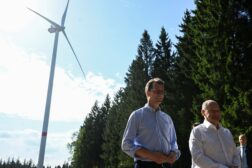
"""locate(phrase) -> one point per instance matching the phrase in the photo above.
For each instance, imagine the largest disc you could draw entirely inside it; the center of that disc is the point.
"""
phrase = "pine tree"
(146, 52)
(83, 154)
(223, 54)
(87, 148)
(163, 59)
(186, 91)
(112, 134)
(100, 123)
(163, 67)
(139, 72)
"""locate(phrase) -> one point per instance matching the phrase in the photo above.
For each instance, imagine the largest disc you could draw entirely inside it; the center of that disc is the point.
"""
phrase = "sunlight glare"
(14, 15)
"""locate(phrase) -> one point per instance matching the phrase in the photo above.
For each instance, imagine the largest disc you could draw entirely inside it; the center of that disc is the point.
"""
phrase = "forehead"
(242, 137)
(213, 106)
(158, 85)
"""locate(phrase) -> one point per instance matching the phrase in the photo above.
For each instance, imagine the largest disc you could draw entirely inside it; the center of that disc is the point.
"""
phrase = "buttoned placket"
(222, 145)
(242, 151)
(243, 157)
(158, 130)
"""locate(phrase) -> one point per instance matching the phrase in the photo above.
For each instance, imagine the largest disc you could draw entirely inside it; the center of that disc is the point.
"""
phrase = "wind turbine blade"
(64, 15)
(74, 54)
(53, 23)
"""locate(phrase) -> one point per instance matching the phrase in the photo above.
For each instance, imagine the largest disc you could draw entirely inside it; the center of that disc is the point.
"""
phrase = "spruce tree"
(186, 91)
(83, 146)
(163, 67)
(111, 146)
(224, 58)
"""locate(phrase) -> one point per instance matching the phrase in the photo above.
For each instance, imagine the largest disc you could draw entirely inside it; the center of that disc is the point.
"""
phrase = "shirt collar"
(152, 109)
(210, 125)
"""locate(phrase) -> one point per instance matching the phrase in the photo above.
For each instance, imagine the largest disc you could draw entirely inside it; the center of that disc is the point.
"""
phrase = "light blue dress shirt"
(151, 130)
(243, 157)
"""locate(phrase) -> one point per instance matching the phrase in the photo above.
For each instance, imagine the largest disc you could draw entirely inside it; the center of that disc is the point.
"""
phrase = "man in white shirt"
(211, 145)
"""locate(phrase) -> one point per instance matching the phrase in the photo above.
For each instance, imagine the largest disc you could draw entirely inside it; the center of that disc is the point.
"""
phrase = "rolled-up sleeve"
(128, 145)
(174, 145)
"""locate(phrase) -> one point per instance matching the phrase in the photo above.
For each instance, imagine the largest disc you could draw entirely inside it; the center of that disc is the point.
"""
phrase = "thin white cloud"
(24, 79)
(16, 144)
(23, 144)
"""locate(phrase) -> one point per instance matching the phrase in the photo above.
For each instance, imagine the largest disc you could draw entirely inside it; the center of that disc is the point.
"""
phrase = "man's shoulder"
(198, 132)
(226, 130)
(138, 111)
(200, 129)
(165, 114)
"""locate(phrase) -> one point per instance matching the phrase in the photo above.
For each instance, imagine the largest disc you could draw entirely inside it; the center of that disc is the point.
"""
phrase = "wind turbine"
(55, 28)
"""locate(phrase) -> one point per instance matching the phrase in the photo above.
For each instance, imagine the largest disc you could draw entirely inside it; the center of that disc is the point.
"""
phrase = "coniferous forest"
(211, 60)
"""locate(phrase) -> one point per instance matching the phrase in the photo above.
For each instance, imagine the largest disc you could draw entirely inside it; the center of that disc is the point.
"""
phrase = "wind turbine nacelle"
(52, 29)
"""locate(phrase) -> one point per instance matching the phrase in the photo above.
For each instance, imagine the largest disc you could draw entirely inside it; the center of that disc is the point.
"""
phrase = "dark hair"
(150, 83)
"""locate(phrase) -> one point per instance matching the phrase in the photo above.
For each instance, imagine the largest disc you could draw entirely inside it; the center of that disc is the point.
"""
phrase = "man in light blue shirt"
(150, 136)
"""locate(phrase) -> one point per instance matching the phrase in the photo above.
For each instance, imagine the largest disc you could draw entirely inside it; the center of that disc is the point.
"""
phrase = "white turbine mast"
(55, 28)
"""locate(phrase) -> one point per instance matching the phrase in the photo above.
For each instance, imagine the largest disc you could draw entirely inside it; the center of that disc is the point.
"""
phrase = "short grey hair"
(206, 103)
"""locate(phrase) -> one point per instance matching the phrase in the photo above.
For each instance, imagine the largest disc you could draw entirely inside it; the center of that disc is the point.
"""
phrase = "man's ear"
(203, 113)
(147, 93)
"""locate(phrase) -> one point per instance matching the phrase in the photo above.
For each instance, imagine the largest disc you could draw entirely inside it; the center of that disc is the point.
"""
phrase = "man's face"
(156, 94)
(242, 140)
(212, 113)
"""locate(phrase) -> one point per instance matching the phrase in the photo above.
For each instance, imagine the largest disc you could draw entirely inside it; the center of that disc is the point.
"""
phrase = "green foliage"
(186, 91)
(87, 147)
(112, 134)
(224, 58)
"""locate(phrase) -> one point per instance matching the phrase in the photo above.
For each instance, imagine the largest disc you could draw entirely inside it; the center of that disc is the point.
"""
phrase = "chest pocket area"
(211, 143)
(147, 126)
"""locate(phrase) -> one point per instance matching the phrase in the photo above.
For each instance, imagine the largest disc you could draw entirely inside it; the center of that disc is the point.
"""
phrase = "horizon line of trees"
(17, 163)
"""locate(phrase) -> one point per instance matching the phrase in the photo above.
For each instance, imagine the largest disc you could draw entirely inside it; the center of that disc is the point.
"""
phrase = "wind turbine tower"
(55, 28)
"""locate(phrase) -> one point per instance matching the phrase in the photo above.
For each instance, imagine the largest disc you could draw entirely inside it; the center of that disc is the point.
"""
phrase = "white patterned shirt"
(212, 148)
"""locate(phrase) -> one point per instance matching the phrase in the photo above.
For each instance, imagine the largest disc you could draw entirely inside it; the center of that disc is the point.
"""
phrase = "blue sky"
(105, 36)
